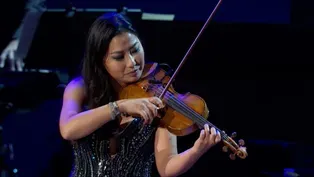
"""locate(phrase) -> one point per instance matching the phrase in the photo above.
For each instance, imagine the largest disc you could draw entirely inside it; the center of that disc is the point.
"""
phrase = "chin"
(131, 80)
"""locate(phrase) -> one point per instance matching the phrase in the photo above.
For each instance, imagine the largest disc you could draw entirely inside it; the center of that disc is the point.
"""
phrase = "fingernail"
(207, 126)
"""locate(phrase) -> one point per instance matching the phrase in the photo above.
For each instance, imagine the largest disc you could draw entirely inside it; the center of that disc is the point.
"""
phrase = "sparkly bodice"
(134, 157)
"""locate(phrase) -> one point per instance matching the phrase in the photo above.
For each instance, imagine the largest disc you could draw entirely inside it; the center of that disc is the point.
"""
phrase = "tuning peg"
(232, 156)
(241, 142)
(225, 148)
(234, 134)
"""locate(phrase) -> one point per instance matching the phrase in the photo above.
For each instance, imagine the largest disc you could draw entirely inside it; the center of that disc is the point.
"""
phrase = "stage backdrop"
(240, 11)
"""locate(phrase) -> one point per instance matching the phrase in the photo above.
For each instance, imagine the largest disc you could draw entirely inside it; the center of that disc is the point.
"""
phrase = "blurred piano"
(53, 50)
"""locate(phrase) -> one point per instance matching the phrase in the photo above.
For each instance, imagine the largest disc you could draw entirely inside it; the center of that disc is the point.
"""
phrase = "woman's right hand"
(146, 108)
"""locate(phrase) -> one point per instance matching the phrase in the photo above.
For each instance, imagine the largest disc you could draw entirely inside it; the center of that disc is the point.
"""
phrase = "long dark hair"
(99, 90)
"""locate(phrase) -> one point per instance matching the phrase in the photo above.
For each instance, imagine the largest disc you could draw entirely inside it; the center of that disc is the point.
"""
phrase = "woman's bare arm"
(75, 124)
(168, 161)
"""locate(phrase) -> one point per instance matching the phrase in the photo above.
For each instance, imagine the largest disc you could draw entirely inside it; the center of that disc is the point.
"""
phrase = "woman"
(115, 137)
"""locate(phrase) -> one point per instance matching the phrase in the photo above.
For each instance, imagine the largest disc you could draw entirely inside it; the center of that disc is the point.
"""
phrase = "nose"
(131, 62)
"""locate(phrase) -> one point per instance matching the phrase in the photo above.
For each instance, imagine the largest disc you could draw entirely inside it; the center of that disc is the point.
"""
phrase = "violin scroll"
(236, 149)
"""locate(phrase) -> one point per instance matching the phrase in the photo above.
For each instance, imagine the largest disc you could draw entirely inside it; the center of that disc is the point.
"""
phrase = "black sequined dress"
(134, 157)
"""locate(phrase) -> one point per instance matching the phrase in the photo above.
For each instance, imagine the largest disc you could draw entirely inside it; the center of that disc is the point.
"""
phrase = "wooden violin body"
(176, 122)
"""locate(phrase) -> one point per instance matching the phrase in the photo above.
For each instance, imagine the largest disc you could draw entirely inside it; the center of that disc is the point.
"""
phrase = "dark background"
(252, 65)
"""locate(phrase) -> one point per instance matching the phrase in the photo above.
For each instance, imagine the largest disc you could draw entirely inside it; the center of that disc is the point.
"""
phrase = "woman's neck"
(117, 86)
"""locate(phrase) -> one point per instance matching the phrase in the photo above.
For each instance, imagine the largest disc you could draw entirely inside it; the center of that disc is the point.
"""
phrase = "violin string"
(190, 113)
(195, 118)
(200, 120)
(186, 110)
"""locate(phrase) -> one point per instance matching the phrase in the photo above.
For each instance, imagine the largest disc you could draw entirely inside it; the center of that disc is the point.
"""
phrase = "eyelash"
(132, 51)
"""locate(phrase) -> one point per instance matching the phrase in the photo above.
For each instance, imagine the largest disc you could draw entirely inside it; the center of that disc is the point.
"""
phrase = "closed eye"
(119, 55)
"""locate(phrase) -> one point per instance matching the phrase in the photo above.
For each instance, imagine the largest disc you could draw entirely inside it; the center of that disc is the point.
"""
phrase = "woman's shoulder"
(76, 85)
(77, 82)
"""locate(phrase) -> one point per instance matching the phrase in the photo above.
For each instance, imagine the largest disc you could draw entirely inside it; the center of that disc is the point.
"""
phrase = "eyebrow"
(122, 51)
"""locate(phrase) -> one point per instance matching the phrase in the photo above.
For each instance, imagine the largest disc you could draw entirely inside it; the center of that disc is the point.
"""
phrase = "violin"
(183, 114)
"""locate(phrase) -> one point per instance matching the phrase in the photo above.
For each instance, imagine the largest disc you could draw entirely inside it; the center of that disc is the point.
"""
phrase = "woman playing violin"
(113, 137)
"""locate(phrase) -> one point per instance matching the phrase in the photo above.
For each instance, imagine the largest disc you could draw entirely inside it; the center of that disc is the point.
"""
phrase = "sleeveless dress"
(134, 157)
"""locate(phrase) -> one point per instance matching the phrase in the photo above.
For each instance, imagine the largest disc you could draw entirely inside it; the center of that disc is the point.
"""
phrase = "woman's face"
(125, 58)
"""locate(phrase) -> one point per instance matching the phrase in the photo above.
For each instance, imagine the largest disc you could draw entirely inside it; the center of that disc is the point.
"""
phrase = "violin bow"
(190, 49)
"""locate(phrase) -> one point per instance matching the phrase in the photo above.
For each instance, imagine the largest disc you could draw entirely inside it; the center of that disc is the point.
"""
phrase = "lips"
(132, 72)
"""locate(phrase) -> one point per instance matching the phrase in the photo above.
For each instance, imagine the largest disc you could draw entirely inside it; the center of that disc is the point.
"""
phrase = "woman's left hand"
(206, 139)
